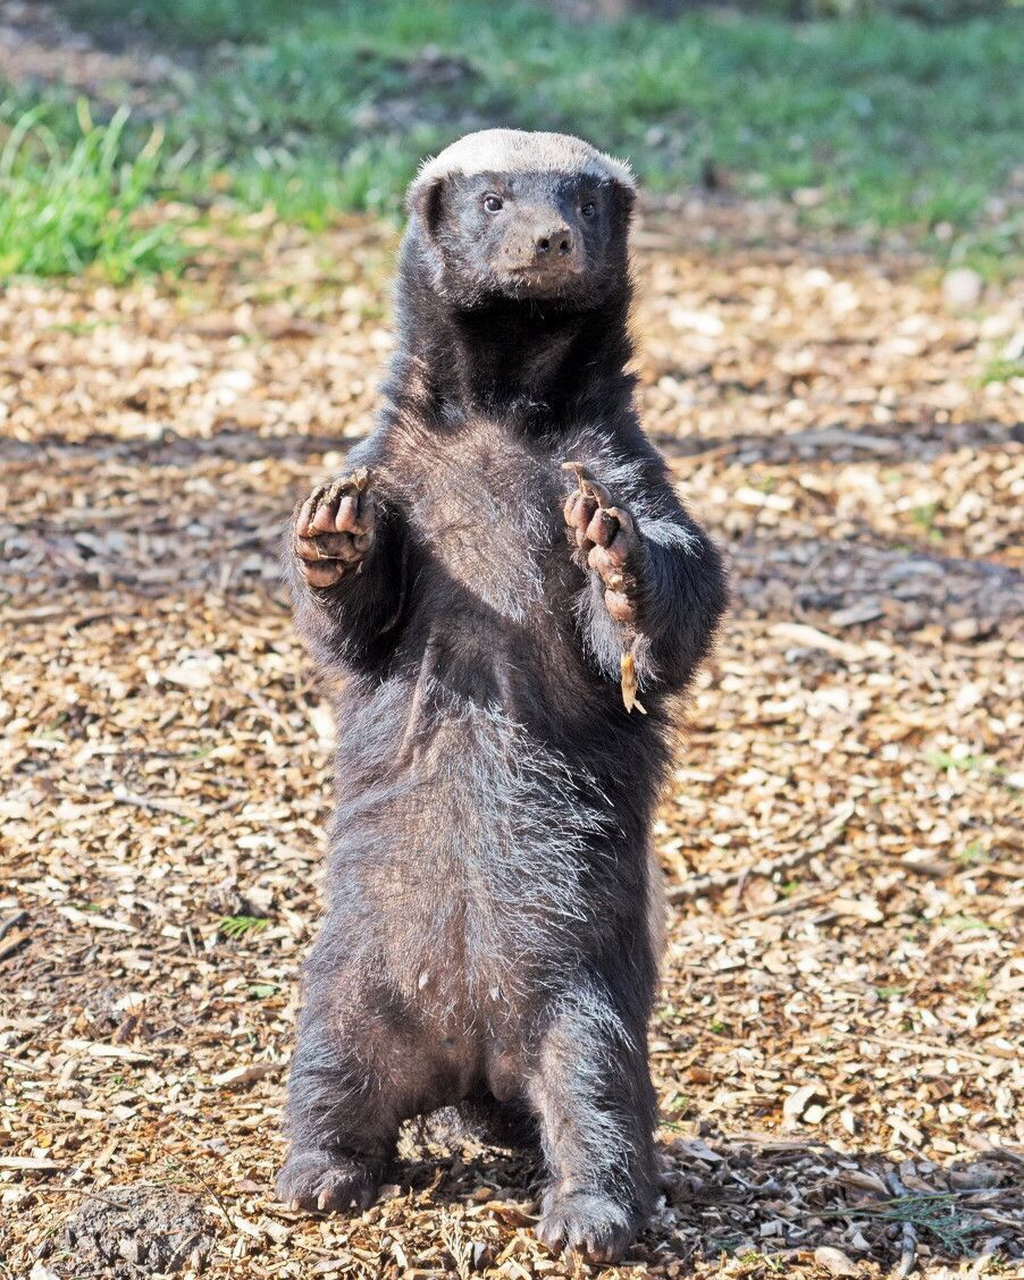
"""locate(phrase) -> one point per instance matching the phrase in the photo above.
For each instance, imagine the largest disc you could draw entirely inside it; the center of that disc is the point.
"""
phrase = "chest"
(487, 510)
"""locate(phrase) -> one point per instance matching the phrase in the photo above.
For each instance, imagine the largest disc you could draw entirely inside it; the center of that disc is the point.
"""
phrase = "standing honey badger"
(490, 937)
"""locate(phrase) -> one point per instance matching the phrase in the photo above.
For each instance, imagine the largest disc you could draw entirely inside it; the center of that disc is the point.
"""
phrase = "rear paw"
(592, 1225)
(334, 529)
(326, 1181)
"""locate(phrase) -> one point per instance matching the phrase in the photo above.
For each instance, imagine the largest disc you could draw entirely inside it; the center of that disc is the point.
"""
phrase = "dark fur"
(486, 937)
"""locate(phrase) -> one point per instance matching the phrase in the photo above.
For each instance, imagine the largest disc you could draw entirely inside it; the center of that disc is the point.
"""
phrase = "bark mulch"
(837, 1049)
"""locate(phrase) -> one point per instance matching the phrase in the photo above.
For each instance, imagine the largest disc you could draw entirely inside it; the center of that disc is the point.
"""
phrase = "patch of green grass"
(773, 1261)
(317, 108)
(969, 924)
(189, 23)
(967, 763)
(677, 1106)
(975, 854)
(65, 206)
(81, 329)
(939, 1214)
(924, 518)
(1002, 371)
(239, 926)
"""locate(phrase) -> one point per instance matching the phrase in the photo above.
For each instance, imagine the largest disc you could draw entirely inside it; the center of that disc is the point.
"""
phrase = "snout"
(548, 247)
(553, 244)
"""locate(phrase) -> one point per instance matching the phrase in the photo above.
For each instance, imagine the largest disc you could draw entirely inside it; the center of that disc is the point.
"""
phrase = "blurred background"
(891, 116)
(200, 204)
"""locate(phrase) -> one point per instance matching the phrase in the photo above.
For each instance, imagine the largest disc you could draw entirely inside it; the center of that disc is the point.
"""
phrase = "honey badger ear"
(623, 196)
(425, 200)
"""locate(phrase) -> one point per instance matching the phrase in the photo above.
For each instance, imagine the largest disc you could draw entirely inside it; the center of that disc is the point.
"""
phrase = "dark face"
(526, 237)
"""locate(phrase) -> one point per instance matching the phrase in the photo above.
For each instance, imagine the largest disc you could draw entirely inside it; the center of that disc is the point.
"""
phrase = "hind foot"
(606, 534)
(592, 1225)
(328, 1181)
(334, 529)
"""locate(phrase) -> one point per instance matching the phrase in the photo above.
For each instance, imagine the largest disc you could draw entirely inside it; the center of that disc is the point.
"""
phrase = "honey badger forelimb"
(334, 529)
(346, 559)
(606, 536)
(655, 583)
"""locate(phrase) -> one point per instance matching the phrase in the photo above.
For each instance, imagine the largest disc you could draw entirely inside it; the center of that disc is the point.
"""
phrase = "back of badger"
(488, 936)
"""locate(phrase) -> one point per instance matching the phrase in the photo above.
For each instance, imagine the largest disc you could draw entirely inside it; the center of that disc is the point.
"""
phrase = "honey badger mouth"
(547, 277)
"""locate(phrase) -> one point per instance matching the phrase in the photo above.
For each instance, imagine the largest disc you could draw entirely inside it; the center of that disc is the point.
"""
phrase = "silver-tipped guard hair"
(514, 151)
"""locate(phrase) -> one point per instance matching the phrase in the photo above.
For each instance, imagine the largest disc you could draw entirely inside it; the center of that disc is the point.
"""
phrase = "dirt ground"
(837, 1048)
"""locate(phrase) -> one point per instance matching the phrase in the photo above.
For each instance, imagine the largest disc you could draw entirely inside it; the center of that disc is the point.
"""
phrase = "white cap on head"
(520, 151)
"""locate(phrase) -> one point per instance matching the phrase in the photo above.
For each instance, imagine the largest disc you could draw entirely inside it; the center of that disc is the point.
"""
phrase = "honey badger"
(501, 573)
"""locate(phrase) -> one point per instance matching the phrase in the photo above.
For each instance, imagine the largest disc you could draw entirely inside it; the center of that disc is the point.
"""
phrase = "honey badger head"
(510, 215)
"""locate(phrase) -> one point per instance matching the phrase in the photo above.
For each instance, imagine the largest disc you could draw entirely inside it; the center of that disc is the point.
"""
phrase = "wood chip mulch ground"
(838, 1047)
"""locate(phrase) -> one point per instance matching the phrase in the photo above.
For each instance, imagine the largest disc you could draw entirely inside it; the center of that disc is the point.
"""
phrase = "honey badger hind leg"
(342, 1129)
(359, 1066)
(592, 1093)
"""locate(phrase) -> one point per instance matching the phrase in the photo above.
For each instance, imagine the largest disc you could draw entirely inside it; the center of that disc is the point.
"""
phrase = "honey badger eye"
(493, 203)
(589, 209)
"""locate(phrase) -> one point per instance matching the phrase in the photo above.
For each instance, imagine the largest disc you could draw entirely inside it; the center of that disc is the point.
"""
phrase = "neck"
(535, 364)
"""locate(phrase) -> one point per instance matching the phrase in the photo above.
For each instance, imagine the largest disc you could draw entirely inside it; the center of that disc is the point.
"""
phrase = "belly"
(473, 850)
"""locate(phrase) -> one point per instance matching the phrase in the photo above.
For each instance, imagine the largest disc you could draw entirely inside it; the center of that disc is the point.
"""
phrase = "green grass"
(974, 855)
(1002, 371)
(939, 1214)
(775, 1263)
(963, 763)
(239, 926)
(317, 108)
(924, 518)
(65, 207)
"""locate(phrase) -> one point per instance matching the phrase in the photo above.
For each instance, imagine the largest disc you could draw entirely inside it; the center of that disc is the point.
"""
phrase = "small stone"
(835, 1262)
(976, 1177)
(969, 629)
(962, 288)
(808, 197)
(856, 615)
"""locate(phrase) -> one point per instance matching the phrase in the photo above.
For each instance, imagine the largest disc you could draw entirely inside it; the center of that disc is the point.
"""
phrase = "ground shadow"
(768, 1194)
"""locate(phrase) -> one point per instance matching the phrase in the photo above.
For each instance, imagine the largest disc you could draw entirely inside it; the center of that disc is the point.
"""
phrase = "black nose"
(557, 243)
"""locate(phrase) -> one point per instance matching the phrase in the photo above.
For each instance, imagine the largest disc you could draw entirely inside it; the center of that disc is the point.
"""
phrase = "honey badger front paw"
(327, 1181)
(334, 529)
(607, 535)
